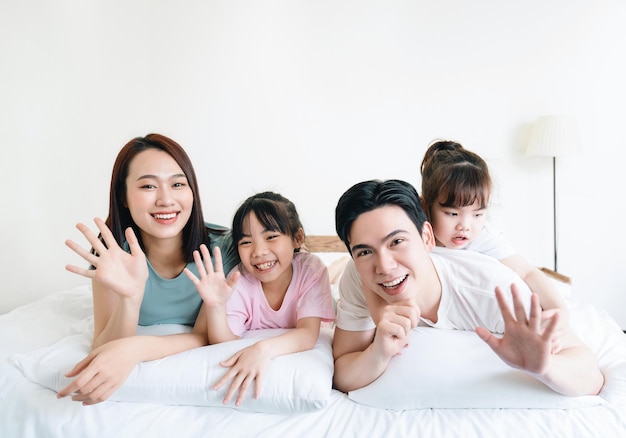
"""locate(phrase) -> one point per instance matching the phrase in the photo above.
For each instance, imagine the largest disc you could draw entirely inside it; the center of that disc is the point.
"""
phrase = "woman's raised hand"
(125, 273)
(213, 286)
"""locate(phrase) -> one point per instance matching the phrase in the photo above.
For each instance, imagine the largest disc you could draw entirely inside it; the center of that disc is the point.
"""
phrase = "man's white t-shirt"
(468, 300)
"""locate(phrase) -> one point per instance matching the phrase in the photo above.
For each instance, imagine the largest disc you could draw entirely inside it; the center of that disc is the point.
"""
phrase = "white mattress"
(30, 410)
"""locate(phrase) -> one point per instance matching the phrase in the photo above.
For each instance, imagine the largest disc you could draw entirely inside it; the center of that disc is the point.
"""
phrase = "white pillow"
(456, 369)
(294, 383)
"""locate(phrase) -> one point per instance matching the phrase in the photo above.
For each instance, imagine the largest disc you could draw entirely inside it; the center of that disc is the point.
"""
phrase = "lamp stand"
(554, 209)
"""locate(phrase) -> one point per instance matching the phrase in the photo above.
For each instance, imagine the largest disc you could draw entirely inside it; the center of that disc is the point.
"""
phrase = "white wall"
(307, 98)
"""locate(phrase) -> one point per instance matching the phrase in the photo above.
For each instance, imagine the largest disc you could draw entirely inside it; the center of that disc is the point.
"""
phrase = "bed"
(465, 392)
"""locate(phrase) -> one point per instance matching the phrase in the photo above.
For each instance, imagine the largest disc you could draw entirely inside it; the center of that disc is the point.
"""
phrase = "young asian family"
(414, 261)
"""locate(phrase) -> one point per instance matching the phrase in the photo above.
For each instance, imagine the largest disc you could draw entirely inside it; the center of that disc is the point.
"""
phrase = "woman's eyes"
(175, 186)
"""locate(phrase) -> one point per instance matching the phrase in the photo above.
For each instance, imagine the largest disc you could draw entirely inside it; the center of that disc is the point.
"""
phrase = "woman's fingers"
(90, 258)
(91, 237)
(107, 235)
(93, 240)
(131, 238)
(78, 385)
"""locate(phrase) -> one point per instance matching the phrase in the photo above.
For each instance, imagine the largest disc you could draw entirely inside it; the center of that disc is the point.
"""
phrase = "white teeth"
(165, 216)
(267, 265)
(395, 282)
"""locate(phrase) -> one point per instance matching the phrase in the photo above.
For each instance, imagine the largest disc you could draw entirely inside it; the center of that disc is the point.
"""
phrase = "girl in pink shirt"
(276, 285)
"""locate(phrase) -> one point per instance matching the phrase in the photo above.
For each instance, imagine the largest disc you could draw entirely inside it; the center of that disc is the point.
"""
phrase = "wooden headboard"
(556, 275)
(324, 244)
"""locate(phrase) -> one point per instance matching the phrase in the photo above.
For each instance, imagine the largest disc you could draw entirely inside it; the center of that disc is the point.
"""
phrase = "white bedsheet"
(30, 410)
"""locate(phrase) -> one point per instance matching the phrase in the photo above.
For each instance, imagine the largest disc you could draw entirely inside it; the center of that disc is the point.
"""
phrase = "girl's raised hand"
(125, 273)
(213, 286)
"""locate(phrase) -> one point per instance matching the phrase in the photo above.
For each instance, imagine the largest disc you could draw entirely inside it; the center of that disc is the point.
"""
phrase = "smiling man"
(397, 280)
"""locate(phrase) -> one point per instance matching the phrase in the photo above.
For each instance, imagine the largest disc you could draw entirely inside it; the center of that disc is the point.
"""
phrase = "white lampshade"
(554, 136)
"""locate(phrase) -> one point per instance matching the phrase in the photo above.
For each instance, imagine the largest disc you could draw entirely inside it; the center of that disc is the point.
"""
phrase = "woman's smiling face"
(158, 195)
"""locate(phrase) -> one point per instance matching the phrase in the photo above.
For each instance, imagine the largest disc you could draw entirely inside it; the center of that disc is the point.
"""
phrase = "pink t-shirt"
(308, 295)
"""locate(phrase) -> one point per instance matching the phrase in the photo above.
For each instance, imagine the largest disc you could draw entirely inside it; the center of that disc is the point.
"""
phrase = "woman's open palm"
(125, 273)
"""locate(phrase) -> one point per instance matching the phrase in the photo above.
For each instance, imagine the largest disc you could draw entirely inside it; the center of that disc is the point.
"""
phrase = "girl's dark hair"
(370, 195)
(454, 176)
(274, 212)
(119, 218)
